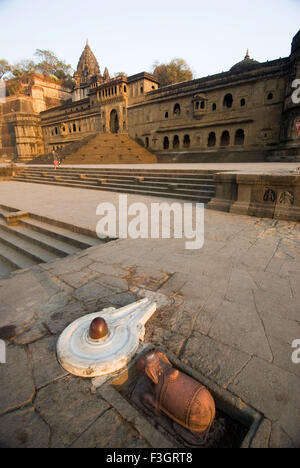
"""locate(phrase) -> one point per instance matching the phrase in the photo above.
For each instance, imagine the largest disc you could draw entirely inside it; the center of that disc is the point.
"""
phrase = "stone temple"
(244, 114)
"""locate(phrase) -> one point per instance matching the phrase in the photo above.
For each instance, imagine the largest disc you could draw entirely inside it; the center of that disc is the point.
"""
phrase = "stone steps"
(104, 148)
(24, 246)
(15, 259)
(68, 175)
(197, 186)
(33, 239)
(78, 240)
(127, 182)
(57, 247)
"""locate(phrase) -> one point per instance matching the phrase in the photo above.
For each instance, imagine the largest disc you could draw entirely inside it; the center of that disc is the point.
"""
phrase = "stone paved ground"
(229, 310)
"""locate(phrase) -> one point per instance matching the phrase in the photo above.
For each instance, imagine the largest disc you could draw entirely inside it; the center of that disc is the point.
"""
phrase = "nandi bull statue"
(179, 396)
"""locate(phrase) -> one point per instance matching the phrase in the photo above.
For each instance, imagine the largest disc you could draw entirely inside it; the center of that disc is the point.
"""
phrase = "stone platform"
(229, 311)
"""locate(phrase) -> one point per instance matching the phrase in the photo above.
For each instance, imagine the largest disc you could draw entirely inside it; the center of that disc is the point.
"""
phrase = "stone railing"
(8, 172)
(270, 195)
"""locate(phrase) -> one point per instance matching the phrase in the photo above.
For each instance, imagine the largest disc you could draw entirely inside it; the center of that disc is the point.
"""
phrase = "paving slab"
(24, 429)
(45, 367)
(110, 431)
(69, 408)
(17, 386)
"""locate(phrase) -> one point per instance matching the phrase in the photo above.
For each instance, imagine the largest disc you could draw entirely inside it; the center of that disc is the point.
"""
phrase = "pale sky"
(129, 36)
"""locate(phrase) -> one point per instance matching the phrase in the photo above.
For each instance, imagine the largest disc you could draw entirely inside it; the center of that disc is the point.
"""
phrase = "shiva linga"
(179, 396)
(104, 342)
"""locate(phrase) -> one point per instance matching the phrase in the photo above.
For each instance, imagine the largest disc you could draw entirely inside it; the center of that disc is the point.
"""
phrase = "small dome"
(245, 65)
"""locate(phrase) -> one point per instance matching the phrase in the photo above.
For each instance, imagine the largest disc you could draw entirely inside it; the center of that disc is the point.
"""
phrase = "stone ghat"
(192, 185)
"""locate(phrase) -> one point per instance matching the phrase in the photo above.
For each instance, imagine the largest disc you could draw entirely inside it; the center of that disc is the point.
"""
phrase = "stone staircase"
(69, 149)
(27, 240)
(192, 185)
(101, 148)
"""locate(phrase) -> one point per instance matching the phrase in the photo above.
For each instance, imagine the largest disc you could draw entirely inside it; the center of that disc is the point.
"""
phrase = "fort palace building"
(252, 109)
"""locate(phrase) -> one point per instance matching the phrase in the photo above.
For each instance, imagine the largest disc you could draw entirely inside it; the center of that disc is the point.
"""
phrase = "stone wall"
(20, 127)
(275, 195)
(20, 130)
(190, 120)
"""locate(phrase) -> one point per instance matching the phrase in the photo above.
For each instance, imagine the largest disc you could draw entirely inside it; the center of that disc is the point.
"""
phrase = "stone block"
(23, 429)
(45, 367)
(69, 408)
(17, 387)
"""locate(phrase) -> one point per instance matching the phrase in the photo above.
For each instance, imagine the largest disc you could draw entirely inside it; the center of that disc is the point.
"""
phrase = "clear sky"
(130, 35)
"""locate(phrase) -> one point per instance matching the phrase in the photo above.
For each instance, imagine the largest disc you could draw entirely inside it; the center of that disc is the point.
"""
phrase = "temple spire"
(247, 54)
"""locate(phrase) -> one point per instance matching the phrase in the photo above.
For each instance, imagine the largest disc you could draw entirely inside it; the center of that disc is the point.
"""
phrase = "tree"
(174, 72)
(22, 68)
(120, 74)
(49, 64)
(4, 68)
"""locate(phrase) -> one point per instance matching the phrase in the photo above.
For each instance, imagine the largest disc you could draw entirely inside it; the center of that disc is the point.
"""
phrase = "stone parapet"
(270, 195)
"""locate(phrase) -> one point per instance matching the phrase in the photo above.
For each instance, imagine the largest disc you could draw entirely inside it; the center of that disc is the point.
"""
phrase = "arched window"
(147, 142)
(202, 104)
(225, 138)
(166, 143)
(239, 138)
(56, 131)
(176, 142)
(243, 102)
(74, 127)
(177, 109)
(186, 141)
(270, 96)
(212, 140)
(214, 106)
(125, 89)
(142, 90)
(197, 105)
(228, 101)
(166, 115)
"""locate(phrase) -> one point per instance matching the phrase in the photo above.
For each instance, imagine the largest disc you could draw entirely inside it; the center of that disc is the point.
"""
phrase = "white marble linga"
(82, 356)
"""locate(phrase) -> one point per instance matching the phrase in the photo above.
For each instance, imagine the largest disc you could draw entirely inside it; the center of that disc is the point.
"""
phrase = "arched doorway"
(239, 137)
(114, 121)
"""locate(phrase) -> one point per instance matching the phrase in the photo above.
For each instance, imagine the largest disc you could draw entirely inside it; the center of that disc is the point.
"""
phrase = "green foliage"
(174, 72)
(45, 63)
(49, 64)
(13, 87)
(119, 74)
(22, 68)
